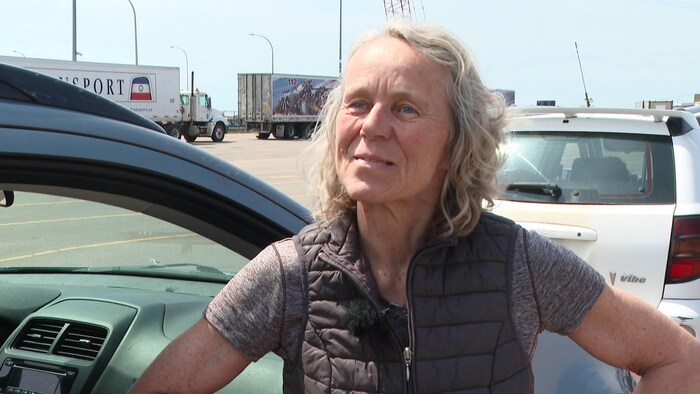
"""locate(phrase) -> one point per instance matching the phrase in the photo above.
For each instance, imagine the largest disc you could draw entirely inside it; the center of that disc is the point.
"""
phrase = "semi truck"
(152, 91)
(284, 106)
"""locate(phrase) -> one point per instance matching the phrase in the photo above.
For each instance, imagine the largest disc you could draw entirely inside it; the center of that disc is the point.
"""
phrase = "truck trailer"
(152, 91)
(283, 105)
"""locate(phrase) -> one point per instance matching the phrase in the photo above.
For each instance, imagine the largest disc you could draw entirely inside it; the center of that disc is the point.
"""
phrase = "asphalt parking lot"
(276, 162)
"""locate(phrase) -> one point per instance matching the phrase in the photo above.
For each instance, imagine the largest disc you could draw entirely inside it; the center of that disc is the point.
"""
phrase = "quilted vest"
(462, 338)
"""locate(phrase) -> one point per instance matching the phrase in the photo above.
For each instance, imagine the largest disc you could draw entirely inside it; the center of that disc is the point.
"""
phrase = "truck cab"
(202, 120)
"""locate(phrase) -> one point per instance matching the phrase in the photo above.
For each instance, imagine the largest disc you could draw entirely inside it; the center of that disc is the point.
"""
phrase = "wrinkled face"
(393, 125)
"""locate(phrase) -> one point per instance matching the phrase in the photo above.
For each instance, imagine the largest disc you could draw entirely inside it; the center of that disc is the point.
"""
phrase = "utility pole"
(75, 33)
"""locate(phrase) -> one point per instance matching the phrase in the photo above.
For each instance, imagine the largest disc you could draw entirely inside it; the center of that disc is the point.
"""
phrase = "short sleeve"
(250, 310)
(566, 287)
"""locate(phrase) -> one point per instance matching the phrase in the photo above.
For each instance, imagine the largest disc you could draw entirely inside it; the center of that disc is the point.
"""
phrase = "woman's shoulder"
(334, 230)
(284, 251)
(489, 216)
(490, 223)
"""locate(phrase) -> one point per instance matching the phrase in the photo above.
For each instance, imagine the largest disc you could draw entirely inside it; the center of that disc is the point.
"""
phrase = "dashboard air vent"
(81, 341)
(39, 335)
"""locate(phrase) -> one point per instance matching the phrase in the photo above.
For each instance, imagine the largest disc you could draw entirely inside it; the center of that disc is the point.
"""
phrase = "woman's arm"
(626, 332)
(201, 360)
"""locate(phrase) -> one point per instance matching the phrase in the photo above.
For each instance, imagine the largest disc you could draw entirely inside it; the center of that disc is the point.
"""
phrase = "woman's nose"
(377, 123)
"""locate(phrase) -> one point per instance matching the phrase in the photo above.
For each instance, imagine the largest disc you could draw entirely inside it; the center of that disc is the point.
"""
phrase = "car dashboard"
(98, 333)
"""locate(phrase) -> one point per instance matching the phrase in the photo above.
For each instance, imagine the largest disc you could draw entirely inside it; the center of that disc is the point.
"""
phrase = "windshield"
(50, 233)
(584, 168)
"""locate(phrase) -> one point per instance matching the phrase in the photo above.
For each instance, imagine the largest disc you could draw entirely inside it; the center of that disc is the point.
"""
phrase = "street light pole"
(136, 39)
(272, 50)
(187, 65)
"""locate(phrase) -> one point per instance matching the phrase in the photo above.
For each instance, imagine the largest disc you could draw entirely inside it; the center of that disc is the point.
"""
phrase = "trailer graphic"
(140, 89)
(300, 96)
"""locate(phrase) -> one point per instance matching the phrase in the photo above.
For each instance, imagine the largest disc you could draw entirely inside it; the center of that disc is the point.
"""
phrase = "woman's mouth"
(372, 160)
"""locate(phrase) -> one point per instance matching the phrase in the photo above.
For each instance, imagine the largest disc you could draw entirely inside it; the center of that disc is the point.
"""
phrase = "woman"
(404, 285)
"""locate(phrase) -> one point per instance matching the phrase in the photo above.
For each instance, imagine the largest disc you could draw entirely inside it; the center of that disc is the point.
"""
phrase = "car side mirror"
(7, 197)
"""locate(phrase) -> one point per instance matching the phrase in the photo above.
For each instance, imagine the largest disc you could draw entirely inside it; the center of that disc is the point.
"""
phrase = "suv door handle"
(559, 231)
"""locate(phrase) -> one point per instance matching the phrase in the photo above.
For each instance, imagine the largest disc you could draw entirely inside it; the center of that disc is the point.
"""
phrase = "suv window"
(588, 168)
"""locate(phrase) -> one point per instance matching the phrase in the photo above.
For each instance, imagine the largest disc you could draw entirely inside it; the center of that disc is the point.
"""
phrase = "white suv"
(619, 187)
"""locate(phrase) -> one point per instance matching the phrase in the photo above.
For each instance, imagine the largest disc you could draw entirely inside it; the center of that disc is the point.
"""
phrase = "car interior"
(588, 169)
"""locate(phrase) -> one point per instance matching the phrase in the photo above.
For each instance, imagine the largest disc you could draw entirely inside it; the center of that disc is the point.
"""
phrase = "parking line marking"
(97, 245)
(67, 219)
(31, 204)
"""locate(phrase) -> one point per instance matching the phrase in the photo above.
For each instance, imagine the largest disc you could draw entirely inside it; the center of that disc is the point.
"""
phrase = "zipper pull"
(407, 355)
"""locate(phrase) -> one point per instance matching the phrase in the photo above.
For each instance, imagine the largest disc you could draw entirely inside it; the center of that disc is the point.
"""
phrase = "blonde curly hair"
(475, 135)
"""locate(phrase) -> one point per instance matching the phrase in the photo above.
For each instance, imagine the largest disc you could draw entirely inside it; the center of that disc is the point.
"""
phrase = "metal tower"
(397, 9)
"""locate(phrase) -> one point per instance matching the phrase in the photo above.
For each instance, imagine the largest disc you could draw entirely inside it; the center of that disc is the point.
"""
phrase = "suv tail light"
(684, 257)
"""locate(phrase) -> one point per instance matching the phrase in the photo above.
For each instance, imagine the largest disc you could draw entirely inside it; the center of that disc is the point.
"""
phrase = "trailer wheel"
(174, 130)
(190, 138)
(308, 131)
(217, 135)
(288, 131)
(263, 136)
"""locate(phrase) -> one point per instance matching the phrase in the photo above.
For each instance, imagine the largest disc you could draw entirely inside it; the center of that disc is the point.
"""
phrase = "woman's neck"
(386, 231)
(389, 237)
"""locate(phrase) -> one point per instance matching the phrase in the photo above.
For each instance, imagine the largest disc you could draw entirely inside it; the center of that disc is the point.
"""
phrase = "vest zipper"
(407, 354)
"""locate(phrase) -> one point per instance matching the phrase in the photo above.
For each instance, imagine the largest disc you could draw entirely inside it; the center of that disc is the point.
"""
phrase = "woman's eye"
(407, 109)
(357, 106)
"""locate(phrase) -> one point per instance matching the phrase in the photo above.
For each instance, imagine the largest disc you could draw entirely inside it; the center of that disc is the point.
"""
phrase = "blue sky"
(630, 50)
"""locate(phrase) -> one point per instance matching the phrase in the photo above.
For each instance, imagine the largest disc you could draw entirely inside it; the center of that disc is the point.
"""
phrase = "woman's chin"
(368, 195)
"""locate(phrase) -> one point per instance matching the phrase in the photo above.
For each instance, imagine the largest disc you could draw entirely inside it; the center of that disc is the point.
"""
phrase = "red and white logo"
(141, 89)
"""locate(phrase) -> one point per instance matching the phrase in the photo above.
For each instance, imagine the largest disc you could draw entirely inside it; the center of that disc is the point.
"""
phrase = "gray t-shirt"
(262, 308)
